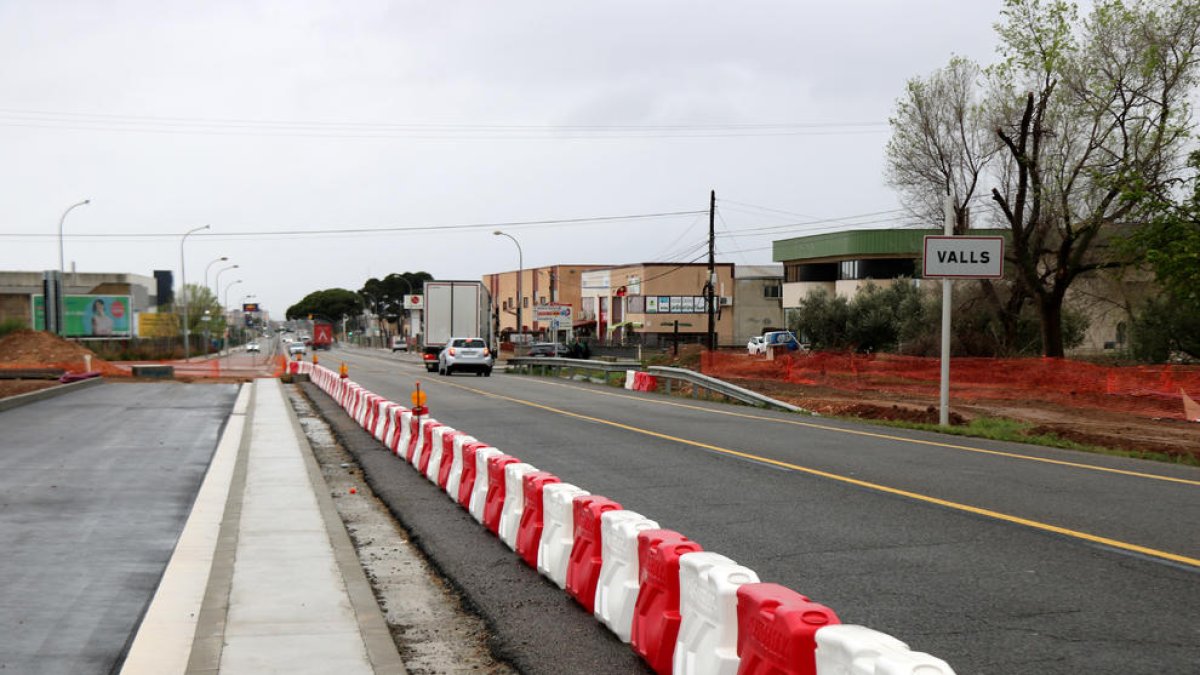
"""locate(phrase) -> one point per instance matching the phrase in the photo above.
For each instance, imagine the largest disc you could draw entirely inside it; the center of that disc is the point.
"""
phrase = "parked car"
(253, 347)
(469, 354)
(399, 344)
(296, 348)
(548, 349)
(781, 339)
(756, 345)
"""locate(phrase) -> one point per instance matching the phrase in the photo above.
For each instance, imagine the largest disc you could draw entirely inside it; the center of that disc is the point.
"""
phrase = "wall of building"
(541, 285)
(603, 302)
(757, 306)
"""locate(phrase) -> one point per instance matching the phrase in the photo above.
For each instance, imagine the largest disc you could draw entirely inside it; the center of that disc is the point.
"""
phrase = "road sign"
(553, 312)
(963, 257)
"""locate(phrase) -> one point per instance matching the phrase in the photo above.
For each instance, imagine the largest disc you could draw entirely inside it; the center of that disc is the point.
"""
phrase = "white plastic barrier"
(630, 376)
(514, 502)
(558, 530)
(707, 640)
(456, 464)
(405, 433)
(479, 491)
(370, 399)
(377, 417)
(849, 650)
(438, 440)
(617, 589)
(420, 449)
(387, 421)
(910, 663)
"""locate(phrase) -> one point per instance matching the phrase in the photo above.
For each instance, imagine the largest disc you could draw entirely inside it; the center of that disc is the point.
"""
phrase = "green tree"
(334, 304)
(821, 320)
(385, 297)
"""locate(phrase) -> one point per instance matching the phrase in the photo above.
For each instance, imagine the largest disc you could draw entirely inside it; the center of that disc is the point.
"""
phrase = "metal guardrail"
(732, 391)
(547, 365)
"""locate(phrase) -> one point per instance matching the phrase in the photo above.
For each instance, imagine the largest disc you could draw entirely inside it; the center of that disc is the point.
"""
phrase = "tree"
(1098, 132)
(334, 304)
(385, 297)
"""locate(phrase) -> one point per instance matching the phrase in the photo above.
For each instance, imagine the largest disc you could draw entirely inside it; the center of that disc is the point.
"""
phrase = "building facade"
(553, 284)
(757, 300)
(20, 295)
(656, 304)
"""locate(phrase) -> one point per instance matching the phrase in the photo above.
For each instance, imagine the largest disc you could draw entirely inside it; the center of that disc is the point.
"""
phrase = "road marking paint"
(889, 437)
(957, 506)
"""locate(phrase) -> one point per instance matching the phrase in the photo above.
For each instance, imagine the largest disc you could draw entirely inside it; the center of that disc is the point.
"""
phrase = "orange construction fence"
(1151, 391)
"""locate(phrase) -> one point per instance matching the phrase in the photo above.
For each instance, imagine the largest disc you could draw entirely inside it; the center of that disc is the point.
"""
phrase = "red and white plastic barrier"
(707, 642)
(618, 586)
(684, 610)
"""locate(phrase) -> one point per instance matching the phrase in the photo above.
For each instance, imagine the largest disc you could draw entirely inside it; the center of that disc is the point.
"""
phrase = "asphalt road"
(95, 487)
(999, 558)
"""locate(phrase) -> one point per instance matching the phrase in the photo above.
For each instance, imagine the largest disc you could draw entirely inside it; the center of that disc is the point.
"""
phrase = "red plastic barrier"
(583, 571)
(414, 432)
(427, 446)
(467, 483)
(495, 491)
(656, 615)
(529, 532)
(777, 630)
(293, 367)
(443, 474)
(393, 440)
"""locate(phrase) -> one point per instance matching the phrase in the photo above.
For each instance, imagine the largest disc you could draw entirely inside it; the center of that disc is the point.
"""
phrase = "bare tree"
(1100, 129)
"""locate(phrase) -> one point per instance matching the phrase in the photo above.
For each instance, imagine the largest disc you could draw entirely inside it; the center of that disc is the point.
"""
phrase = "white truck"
(454, 309)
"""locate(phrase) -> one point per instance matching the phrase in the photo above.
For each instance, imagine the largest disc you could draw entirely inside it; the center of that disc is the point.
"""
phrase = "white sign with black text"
(963, 257)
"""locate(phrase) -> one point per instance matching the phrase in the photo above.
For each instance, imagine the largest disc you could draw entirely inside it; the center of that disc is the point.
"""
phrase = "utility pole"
(712, 272)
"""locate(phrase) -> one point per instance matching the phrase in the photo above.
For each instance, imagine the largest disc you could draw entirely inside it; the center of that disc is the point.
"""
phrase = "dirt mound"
(38, 349)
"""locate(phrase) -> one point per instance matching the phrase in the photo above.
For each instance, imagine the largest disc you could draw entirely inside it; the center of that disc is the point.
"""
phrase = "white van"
(399, 344)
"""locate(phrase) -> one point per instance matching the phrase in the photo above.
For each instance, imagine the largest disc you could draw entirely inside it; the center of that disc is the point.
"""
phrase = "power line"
(141, 236)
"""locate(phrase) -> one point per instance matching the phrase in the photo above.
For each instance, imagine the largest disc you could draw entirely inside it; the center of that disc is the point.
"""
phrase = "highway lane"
(990, 595)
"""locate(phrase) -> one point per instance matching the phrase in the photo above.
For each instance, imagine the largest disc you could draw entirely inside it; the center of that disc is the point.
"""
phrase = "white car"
(296, 348)
(756, 345)
(253, 347)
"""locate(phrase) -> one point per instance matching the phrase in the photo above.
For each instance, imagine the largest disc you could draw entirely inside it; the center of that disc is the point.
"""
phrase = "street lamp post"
(183, 289)
(520, 272)
(225, 338)
(58, 309)
(209, 266)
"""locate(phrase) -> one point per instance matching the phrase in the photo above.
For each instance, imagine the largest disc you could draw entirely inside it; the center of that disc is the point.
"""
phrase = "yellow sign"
(157, 325)
(418, 398)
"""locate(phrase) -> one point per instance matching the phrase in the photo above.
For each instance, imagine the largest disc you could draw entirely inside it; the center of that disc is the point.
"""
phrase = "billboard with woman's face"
(89, 315)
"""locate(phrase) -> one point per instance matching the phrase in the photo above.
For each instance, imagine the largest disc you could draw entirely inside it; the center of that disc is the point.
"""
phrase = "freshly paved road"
(95, 487)
(999, 558)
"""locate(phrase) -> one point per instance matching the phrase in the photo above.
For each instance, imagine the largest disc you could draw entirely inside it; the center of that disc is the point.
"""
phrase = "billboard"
(157, 325)
(89, 315)
(248, 307)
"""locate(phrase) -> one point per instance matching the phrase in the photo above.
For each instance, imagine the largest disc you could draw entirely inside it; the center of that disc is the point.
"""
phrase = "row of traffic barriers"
(684, 610)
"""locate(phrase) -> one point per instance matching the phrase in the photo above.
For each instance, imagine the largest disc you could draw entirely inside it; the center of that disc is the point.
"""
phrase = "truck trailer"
(454, 309)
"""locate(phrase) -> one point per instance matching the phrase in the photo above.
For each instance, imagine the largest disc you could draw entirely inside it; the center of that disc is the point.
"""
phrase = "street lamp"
(183, 288)
(58, 312)
(225, 339)
(217, 283)
(520, 270)
(209, 266)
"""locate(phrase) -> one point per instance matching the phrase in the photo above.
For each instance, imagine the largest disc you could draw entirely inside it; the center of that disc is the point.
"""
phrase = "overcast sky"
(300, 115)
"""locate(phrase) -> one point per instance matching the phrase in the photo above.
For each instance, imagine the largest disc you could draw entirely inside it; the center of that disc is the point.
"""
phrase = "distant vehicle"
(454, 308)
(322, 336)
(756, 345)
(296, 348)
(469, 354)
(781, 339)
(253, 347)
(399, 344)
(548, 349)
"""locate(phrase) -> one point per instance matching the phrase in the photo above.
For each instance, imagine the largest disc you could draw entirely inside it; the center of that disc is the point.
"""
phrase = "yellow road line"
(889, 437)
(997, 515)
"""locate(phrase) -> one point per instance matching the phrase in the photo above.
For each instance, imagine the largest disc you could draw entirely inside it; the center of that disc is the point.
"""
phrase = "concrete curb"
(10, 402)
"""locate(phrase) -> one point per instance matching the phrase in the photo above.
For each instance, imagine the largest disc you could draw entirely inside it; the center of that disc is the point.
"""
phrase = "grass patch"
(1015, 431)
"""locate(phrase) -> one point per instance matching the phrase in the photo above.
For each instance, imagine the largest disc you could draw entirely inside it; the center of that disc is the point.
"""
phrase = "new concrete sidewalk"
(264, 578)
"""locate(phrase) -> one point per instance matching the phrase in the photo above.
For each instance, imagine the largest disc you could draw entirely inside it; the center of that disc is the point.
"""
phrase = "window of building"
(848, 269)
(525, 302)
(772, 291)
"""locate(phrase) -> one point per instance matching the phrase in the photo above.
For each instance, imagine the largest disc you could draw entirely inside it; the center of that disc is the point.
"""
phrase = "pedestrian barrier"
(454, 479)
(656, 615)
(514, 501)
(493, 503)
(617, 588)
(558, 531)
(707, 642)
(449, 441)
(846, 648)
(480, 491)
(529, 531)
(433, 460)
(683, 610)
(777, 630)
(587, 554)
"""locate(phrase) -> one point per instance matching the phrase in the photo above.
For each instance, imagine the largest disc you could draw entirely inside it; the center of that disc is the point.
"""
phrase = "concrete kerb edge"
(376, 635)
(10, 402)
(144, 654)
